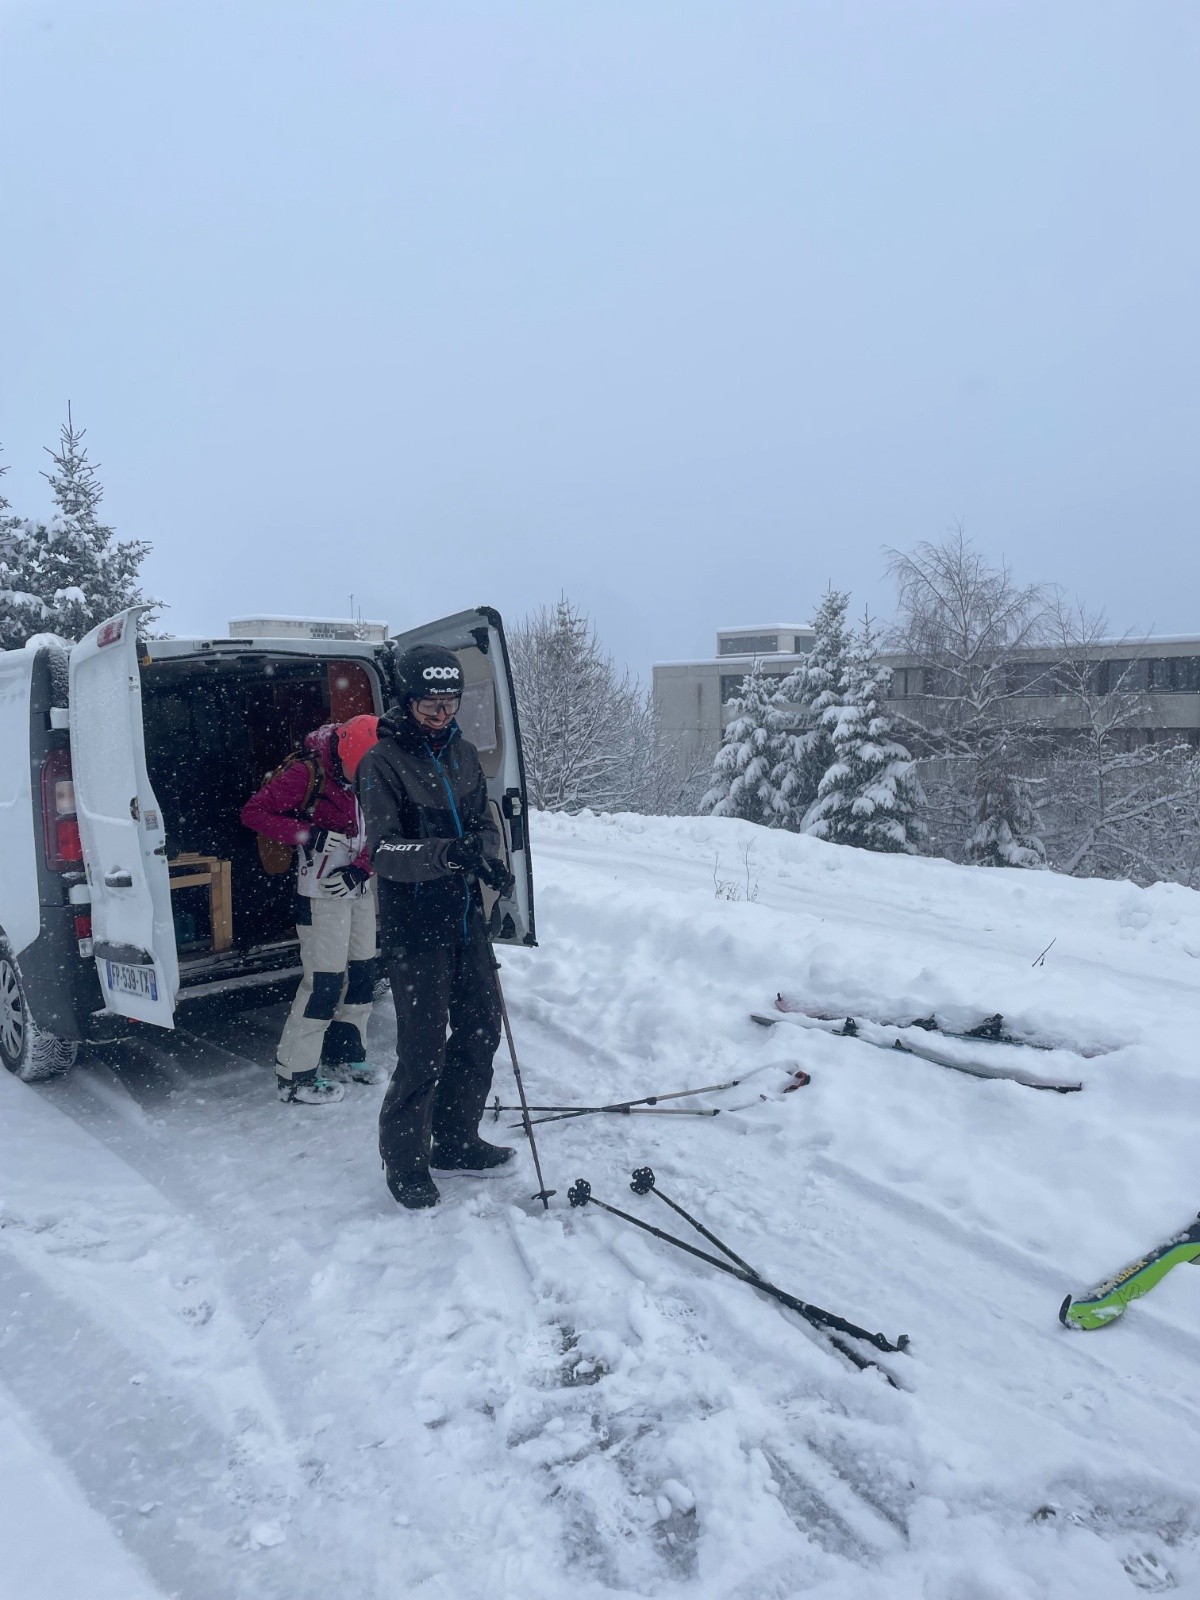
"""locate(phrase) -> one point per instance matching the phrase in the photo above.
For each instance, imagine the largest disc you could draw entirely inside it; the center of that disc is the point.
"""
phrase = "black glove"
(345, 880)
(497, 876)
(322, 839)
(466, 855)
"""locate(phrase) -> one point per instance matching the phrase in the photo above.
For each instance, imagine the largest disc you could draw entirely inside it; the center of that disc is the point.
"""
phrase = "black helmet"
(427, 670)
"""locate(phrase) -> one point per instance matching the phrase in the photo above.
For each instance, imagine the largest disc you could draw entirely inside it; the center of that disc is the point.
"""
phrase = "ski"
(991, 1030)
(924, 1048)
(1110, 1299)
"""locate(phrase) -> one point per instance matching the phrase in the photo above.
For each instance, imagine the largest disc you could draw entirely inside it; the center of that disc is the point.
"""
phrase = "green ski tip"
(1109, 1300)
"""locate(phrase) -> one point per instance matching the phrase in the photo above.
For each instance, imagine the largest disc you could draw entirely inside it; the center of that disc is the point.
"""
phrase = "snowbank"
(486, 1400)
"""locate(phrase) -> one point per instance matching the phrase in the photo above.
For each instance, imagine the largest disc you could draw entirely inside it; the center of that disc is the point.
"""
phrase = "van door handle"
(119, 879)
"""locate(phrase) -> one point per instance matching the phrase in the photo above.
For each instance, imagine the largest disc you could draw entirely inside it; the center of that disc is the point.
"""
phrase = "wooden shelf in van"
(190, 871)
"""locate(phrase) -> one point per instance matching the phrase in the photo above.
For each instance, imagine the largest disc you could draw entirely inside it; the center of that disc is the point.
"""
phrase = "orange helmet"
(352, 740)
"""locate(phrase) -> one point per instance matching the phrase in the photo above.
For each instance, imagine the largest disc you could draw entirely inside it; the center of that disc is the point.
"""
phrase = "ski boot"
(470, 1155)
(415, 1191)
(307, 1089)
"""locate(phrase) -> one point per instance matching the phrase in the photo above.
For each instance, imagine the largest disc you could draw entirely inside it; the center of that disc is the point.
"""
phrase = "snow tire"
(27, 1052)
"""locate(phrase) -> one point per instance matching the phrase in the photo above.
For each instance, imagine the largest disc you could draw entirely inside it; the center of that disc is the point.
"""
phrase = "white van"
(128, 884)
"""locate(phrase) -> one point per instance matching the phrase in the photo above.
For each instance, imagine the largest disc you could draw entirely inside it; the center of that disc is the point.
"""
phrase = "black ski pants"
(440, 1086)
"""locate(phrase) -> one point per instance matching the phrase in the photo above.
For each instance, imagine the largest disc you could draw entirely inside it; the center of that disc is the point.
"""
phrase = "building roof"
(325, 622)
(724, 662)
(770, 627)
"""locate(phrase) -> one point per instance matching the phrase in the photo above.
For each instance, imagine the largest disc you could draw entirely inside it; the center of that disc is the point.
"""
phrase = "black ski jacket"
(415, 799)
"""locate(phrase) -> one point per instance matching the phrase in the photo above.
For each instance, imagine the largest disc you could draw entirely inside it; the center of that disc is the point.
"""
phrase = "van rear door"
(488, 718)
(20, 917)
(121, 827)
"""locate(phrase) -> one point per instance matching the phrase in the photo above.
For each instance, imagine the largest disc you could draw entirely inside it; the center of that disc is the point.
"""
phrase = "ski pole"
(650, 1106)
(586, 1111)
(625, 1105)
(628, 1111)
(643, 1183)
(580, 1194)
(543, 1193)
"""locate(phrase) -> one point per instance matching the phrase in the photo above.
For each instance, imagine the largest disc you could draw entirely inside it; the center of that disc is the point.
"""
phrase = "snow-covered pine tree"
(21, 613)
(742, 778)
(806, 700)
(66, 575)
(100, 572)
(1007, 830)
(8, 523)
(799, 758)
(869, 795)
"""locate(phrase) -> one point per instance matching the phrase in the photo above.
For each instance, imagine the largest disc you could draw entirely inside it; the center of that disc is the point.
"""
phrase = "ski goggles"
(435, 705)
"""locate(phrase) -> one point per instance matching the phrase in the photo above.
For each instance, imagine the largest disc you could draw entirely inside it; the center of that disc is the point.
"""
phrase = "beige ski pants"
(337, 952)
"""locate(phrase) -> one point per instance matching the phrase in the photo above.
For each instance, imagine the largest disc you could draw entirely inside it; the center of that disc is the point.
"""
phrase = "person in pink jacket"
(335, 909)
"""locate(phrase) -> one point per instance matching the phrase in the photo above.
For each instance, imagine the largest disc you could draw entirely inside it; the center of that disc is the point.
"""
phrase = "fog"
(685, 309)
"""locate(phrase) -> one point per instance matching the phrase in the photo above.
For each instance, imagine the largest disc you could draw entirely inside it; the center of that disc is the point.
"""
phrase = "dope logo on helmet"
(433, 674)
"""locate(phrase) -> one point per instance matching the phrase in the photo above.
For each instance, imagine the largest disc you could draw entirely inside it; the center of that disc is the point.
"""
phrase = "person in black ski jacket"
(432, 842)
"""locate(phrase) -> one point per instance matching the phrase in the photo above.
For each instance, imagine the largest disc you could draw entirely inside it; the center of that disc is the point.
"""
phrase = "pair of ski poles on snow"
(643, 1182)
(647, 1105)
(827, 1322)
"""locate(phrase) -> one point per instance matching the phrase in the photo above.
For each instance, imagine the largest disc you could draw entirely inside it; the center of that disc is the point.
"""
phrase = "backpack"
(276, 857)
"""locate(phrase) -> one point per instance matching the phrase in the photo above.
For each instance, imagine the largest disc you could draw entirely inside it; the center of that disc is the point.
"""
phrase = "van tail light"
(60, 826)
(83, 925)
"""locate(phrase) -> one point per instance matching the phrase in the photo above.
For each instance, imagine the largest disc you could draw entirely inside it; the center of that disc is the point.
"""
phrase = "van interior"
(215, 726)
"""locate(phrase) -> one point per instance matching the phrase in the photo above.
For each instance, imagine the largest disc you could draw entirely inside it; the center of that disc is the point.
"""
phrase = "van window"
(350, 691)
(477, 716)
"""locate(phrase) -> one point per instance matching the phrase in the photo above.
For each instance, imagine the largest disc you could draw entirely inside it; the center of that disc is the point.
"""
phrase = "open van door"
(121, 827)
(488, 718)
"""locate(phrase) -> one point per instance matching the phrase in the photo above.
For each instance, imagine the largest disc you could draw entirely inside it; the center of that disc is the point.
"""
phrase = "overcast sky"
(684, 308)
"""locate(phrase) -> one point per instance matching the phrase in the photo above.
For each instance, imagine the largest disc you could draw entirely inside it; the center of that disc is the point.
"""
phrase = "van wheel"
(24, 1049)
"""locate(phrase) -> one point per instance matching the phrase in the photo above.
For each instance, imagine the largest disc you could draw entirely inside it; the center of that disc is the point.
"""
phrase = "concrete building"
(1161, 677)
(692, 698)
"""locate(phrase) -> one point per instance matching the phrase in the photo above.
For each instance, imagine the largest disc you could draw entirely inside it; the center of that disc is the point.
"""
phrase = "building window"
(800, 645)
(749, 644)
(1112, 676)
(906, 683)
(1030, 678)
(1173, 675)
(733, 682)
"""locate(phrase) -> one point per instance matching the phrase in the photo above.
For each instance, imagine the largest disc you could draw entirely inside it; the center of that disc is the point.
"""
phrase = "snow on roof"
(770, 627)
(724, 662)
(325, 622)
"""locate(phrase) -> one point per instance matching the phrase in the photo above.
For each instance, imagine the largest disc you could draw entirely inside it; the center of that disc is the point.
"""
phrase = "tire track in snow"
(180, 1492)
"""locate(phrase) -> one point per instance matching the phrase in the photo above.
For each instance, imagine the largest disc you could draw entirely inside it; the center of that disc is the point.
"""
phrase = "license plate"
(123, 979)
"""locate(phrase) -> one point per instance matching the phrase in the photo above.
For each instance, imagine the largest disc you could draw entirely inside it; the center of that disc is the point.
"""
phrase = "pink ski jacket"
(275, 809)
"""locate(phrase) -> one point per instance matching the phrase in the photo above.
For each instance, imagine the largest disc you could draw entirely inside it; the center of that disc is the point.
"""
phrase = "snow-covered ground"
(229, 1366)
